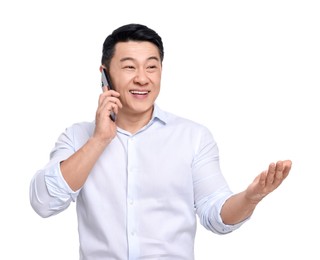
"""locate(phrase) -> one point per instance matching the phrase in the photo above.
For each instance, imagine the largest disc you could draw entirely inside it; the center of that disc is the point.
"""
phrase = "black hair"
(129, 32)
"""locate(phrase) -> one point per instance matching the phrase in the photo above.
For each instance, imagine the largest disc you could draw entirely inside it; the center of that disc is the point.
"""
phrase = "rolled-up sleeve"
(49, 192)
(210, 187)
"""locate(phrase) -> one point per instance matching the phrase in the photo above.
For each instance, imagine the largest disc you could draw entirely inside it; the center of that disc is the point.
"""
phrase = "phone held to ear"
(105, 81)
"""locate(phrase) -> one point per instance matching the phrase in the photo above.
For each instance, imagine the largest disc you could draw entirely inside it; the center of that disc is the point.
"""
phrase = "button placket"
(131, 195)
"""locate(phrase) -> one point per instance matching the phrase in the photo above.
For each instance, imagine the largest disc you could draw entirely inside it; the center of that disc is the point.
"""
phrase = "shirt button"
(131, 202)
(133, 233)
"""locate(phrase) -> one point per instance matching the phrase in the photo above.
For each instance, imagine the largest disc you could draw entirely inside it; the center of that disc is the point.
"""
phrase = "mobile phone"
(105, 81)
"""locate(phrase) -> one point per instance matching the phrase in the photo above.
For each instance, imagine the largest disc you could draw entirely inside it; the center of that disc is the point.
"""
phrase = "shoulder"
(182, 125)
(80, 129)
(180, 121)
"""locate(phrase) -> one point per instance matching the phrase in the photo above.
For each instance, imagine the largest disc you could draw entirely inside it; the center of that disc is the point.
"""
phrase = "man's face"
(135, 70)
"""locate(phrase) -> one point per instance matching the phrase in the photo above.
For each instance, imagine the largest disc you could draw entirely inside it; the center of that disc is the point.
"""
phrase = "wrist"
(98, 142)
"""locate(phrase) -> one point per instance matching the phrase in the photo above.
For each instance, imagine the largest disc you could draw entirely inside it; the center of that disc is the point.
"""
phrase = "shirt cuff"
(216, 218)
(56, 184)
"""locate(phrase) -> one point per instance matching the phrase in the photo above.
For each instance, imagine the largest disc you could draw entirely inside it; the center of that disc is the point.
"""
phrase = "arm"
(58, 183)
(77, 167)
(241, 205)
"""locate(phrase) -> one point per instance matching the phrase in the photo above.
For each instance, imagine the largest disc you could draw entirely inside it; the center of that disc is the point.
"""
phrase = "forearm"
(77, 167)
(236, 209)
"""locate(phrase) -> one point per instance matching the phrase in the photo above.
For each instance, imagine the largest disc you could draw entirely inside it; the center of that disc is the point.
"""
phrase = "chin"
(143, 108)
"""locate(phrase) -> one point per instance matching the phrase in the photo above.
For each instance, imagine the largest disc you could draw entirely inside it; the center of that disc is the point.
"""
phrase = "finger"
(102, 98)
(104, 88)
(107, 98)
(279, 173)
(103, 116)
(114, 108)
(271, 173)
(109, 92)
(287, 167)
(108, 107)
(116, 101)
(262, 179)
(106, 101)
(103, 112)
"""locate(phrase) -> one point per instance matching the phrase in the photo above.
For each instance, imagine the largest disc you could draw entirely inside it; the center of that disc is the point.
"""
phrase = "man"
(140, 180)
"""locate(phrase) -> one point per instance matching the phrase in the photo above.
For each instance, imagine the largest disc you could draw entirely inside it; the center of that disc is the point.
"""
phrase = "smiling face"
(135, 70)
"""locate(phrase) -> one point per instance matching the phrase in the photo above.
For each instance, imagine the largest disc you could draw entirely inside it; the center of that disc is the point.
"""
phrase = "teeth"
(136, 92)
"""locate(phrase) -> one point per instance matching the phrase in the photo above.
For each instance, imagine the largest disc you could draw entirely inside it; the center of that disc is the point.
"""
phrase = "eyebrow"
(132, 59)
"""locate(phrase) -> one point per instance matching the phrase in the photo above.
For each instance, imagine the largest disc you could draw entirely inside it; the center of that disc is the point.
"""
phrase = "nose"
(141, 77)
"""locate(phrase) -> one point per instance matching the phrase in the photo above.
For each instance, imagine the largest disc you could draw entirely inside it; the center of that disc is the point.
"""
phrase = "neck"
(133, 122)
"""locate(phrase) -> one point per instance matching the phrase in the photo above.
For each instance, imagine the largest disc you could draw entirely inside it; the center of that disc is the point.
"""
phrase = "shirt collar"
(159, 114)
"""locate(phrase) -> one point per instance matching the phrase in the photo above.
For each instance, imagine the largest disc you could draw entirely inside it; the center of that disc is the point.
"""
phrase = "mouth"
(140, 92)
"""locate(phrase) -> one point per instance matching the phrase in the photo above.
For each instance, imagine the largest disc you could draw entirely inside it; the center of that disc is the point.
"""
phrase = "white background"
(248, 70)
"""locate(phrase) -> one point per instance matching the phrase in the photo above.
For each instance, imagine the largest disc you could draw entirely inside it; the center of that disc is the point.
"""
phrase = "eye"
(152, 68)
(130, 67)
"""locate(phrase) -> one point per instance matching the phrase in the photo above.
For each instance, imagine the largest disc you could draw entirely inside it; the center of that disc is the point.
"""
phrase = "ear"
(101, 67)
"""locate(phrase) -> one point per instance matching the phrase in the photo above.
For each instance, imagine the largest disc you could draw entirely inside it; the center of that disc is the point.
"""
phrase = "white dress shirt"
(141, 198)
